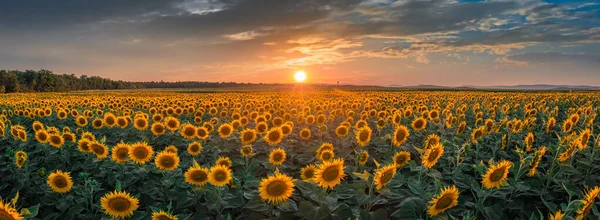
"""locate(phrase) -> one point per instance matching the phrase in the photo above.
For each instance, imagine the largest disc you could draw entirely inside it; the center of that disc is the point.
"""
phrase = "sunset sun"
(300, 76)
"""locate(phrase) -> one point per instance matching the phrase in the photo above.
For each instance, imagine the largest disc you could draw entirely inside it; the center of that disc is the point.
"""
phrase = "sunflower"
(225, 130)
(432, 155)
(97, 123)
(286, 129)
(277, 156)
(584, 138)
(550, 124)
(400, 135)
(7, 212)
(98, 149)
(140, 123)
(166, 161)
(158, 128)
(224, 161)
(83, 145)
(557, 216)
(194, 148)
(587, 202)
(276, 188)
(202, 132)
(384, 175)
(42, 136)
(401, 158)
(305, 134)
(538, 157)
(432, 140)
(140, 152)
(529, 139)
(447, 199)
(68, 136)
(56, 140)
(171, 149)
(247, 151)
(81, 121)
(567, 126)
(326, 155)
(196, 176)
(330, 174)
(219, 175)
(120, 153)
(363, 157)
(496, 175)
(261, 127)
(274, 136)
(20, 159)
(308, 172)
(60, 182)
(188, 131)
(122, 122)
(363, 136)
(88, 136)
(341, 131)
(477, 134)
(119, 204)
(461, 127)
(419, 124)
(162, 215)
(172, 123)
(109, 119)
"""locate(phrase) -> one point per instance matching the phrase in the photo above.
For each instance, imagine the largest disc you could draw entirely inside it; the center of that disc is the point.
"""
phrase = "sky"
(363, 42)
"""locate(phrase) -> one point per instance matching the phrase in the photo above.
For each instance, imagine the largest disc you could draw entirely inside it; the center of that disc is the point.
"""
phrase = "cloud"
(553, 58)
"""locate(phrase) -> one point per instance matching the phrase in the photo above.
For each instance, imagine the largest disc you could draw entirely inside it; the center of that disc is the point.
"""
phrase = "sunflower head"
(432, 155)
(276, 188)
(157, 128)
(140, 152)
(363, 157)
(196, 176)
(98, 149)
(308, 172)
(326, 155)
(247, 150)
(400, 135)
(330, 174)
(162, 215)
(166, 160)
(120, 153)
(447, 199)
(219, 175)
(224, 161)
(305, 134)
(225, 130)
(8, 212)
(60, 182)
(194, 148)
(341, 131)
(274, 136)
(384, 175)
(188, 131)
(496, 175)
(56, 140)
(42, 136)
(277, 156)
(419, 124)
(363, 136)
(119, 204)
(83, 145)
(401, 158)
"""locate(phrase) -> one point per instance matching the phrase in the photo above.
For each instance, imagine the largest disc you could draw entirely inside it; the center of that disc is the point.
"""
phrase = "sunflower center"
(220, 176)
(444, 202)
(277, 157)
(326, 156)
(122, 152)
(225, 130)
(274, 136)
(400, 136)
(387, 176)
(167, 162)
(119, 204)
(497, 174)
(140, 152)
(194, 148)
(60, 181)
(364, 136)
(433, 155)
(199, 176)
(309, 173)
(400, 159)
(276, 188)
(98, 150)
(331, 173)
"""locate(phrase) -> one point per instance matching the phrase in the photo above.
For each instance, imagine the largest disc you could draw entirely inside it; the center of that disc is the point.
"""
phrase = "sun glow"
(300, 76)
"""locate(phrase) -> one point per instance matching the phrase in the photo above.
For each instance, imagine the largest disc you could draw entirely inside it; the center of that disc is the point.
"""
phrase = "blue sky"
(380, 42)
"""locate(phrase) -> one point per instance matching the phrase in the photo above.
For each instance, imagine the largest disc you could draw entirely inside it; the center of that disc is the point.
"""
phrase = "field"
(300, 155)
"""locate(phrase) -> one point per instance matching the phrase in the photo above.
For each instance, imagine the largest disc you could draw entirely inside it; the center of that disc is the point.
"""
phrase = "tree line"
(47, 81)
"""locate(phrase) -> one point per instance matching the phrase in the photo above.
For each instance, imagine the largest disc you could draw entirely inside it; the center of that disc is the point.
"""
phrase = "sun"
(300, 76)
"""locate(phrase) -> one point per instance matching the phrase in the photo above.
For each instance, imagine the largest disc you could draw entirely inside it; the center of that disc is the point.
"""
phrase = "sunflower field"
(290, 155)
